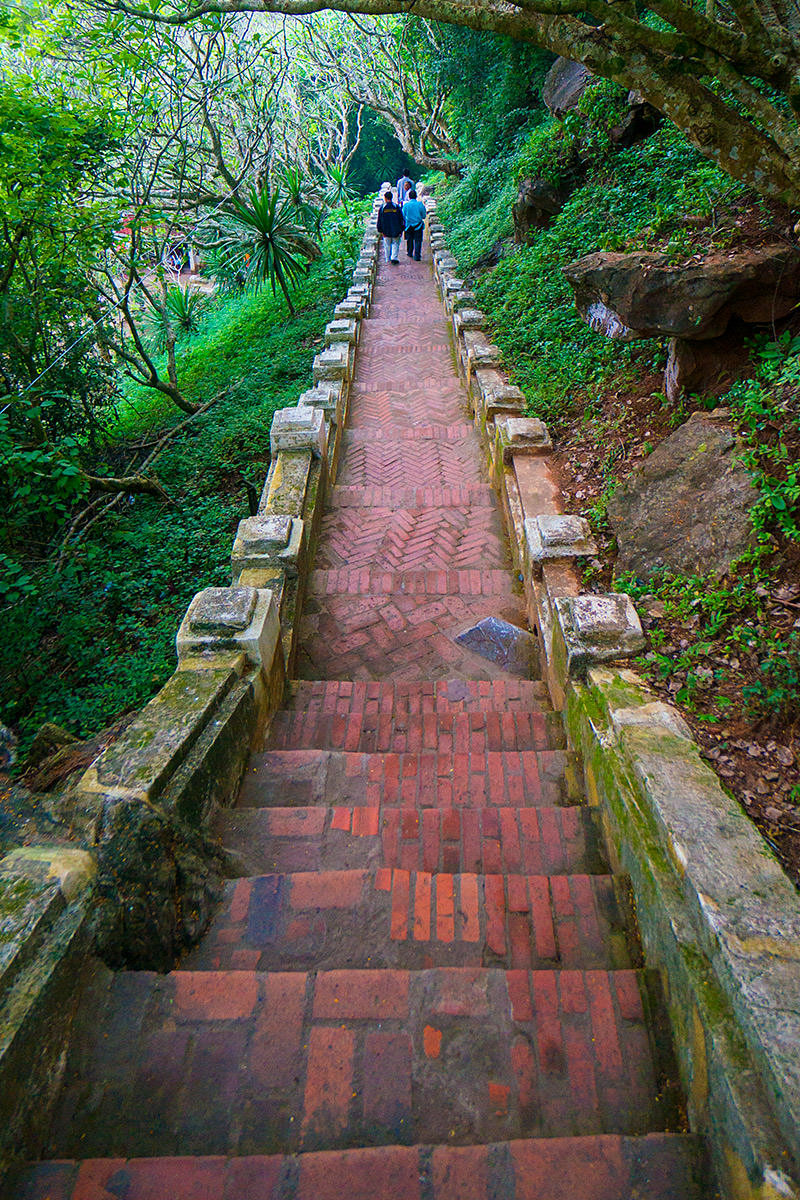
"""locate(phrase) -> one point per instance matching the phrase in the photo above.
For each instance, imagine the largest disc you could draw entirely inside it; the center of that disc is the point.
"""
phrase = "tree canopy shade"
(726, 72)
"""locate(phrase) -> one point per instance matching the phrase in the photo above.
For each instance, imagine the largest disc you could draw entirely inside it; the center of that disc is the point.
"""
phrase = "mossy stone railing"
(719, 919)
(140, 883)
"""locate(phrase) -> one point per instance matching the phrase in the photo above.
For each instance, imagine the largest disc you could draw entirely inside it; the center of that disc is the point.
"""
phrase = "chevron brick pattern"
(425, 984)
(412, 539)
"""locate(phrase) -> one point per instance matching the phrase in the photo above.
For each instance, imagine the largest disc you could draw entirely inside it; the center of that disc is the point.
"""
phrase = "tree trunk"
(675, 67)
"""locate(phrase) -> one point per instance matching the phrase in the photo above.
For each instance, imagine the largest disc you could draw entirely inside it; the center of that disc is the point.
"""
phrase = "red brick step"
(417, 697)
(324, 920)
(245, 1063)
(657, 1166)
(499, 779)
(477, 733)
(542, 841)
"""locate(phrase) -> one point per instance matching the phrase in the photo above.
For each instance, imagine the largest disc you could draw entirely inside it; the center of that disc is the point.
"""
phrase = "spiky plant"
(337, 189)
(183, 311)
(261, 242)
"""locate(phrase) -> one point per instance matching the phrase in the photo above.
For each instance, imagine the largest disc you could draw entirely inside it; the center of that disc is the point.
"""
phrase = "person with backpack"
(414, 215)
(391, 225)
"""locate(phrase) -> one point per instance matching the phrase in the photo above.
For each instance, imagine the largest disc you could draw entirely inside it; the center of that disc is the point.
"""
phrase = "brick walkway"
(428, 986)
(412, 546)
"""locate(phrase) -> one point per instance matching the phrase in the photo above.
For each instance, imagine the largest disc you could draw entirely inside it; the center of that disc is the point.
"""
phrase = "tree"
(261, 243)
(726, 72)
(391, 67)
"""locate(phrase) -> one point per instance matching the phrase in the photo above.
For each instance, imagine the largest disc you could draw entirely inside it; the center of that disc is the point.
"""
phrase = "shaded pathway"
(428, 987)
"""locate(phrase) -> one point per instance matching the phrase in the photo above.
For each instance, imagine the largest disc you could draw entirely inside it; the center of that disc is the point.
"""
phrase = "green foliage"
(184, 309)
(768, 411)
(478, 211)
(338, 191)
(379, 157)
(261, 242)
(625, 199)
(776, 692)
(494, 88)
(97, 639)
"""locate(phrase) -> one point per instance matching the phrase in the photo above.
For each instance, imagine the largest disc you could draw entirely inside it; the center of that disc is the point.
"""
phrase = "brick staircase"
(427, 984)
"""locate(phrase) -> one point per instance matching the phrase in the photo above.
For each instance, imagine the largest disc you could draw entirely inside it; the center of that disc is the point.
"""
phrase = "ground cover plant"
(92, 636)
(726, 652)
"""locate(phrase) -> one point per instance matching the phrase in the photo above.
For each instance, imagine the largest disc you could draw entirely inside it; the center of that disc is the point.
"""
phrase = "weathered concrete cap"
(463, 298)
(362, 274)
(653, 715)
(500, 397)
(234, 618)
(469, 318)
(221, 610)
(484, 354)
(352, 309)
(452, 285)
(597, 628)
(71, 868)
(343, 329)
(299, 428)
(267, 541)
(522, 436)
(332, 363)
(552, 535)
(326, 396)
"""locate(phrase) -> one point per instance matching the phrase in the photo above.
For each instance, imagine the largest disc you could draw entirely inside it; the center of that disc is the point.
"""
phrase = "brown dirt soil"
(756, 759)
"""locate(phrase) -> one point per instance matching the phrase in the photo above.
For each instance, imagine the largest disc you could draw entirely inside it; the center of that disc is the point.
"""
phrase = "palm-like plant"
(304, 196)
(182, 313)
(337, 189)
(261, 242)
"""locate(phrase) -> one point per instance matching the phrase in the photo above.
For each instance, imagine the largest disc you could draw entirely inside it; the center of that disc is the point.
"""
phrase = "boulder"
(644, 295)
(638, 123)
(564, 85)
(47, 740)
(688, 508)
(538, 201)
(509, 646)
(705, 368)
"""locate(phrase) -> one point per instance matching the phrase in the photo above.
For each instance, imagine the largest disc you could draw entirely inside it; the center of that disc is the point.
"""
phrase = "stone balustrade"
(719, 918)
(148, 799)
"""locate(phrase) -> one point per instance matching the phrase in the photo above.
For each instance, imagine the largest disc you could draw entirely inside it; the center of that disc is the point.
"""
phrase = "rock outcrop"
(688, 508)
(538, 201)
(564, 85)
(645, 295)
(704, 305)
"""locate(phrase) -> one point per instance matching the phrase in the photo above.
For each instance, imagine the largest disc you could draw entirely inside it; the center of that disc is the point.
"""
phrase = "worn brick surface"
(428, 779)
(298, 1064)
(367, 918)
(425, 985)
(658, 1166)
(539, 841)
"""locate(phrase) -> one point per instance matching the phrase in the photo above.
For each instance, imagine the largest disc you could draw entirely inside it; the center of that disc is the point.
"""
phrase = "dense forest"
(182, 195)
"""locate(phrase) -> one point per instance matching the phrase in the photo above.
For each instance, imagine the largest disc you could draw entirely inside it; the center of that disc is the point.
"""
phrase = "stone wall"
(717, 915)
(140, 884)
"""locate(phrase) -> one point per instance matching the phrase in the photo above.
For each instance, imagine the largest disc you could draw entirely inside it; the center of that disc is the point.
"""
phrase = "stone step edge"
(377, 581)
(628, 1166)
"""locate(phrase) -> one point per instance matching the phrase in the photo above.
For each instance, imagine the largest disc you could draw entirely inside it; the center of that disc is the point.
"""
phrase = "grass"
(97, 639)
(627, 199)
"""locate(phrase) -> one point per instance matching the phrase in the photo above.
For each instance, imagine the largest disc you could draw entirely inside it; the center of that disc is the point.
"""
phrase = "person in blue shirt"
(414, 214)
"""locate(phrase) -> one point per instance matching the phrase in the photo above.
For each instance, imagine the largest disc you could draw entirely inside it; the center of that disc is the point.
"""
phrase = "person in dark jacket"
(391, 225)
(414, 215)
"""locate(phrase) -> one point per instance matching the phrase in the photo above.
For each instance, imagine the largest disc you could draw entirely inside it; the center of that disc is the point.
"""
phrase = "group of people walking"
(406, 216)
